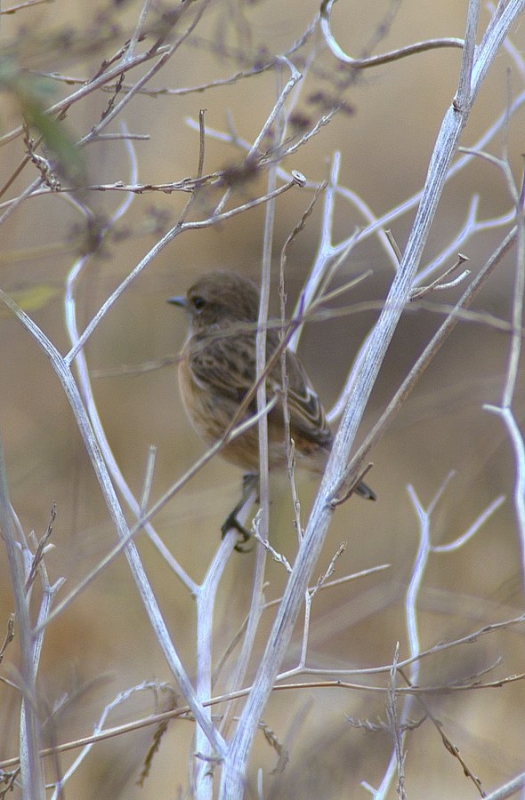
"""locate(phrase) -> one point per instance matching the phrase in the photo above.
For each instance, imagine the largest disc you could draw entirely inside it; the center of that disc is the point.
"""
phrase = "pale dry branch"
(385, 58)
(256, 664)
(335, 479)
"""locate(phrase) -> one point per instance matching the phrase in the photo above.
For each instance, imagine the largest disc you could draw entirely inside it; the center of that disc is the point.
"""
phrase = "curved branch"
(384, 58)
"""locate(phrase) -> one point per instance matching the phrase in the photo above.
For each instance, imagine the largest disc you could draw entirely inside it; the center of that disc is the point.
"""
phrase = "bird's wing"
(224, 363)
(307, 417)
(227, 365)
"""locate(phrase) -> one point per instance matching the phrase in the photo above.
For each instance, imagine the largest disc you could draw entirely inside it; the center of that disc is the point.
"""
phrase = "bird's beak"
(178, 301)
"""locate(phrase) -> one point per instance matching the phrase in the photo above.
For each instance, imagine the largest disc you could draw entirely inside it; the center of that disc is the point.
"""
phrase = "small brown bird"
(217, 369)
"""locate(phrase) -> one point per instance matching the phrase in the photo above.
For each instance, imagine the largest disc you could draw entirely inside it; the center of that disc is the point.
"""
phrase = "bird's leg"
(249, 482)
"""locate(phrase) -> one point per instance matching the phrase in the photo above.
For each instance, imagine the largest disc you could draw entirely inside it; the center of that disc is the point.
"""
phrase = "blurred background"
(385, 133)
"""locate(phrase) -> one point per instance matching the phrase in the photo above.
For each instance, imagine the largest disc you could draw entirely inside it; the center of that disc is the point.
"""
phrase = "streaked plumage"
(218, 368)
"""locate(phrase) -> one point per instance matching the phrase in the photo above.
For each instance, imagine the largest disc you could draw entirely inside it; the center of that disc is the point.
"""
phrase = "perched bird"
(217, 369)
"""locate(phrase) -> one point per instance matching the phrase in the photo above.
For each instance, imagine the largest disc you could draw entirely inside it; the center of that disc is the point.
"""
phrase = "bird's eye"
(198, 303)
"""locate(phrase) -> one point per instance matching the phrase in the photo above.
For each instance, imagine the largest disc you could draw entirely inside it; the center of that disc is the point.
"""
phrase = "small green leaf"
(33, 298)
